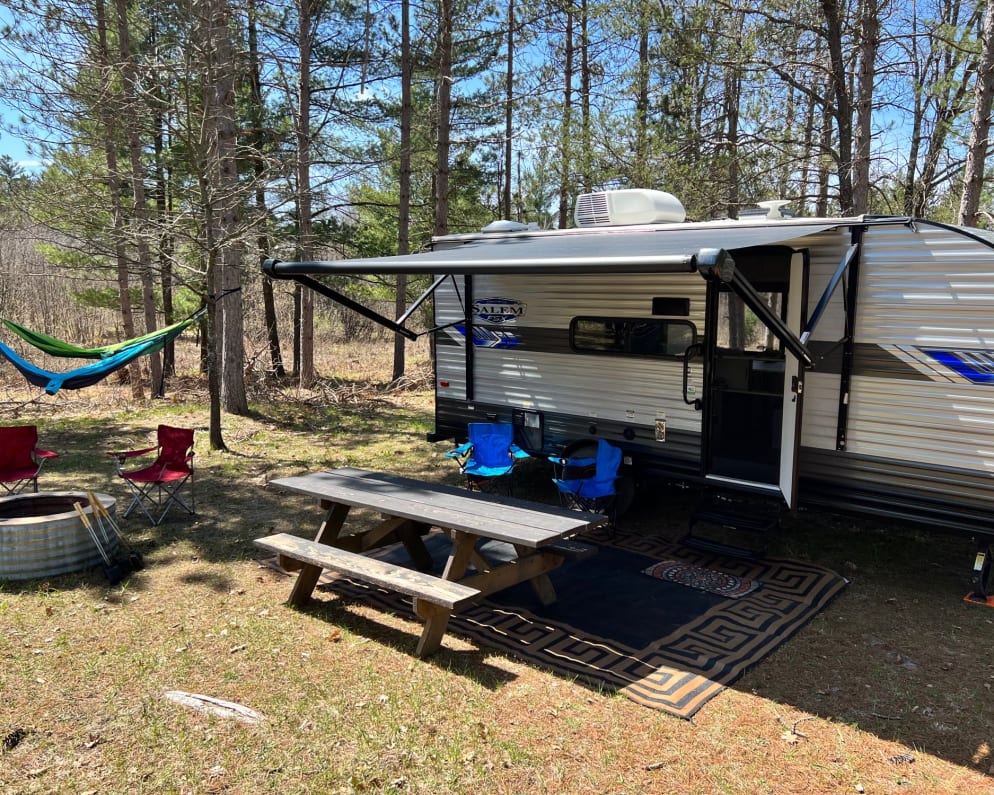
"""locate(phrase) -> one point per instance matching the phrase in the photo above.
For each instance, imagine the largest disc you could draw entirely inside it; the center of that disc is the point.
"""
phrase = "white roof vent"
(772, 207)
(505, 226)
(622, 207)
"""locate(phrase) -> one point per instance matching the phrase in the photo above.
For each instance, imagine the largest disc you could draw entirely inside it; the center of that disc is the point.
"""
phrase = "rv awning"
(611, 250)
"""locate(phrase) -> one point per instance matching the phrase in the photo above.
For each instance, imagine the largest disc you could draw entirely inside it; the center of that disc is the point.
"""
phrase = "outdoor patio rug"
(663, 645)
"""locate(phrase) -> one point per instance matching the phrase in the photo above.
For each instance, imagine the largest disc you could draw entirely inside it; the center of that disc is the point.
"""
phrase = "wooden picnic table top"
(507, 519)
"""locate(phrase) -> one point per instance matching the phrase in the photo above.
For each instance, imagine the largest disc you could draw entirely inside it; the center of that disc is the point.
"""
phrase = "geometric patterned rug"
(661, 644)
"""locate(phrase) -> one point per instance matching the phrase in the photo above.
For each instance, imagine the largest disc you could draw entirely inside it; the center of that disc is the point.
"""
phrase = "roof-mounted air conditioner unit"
(625, 207)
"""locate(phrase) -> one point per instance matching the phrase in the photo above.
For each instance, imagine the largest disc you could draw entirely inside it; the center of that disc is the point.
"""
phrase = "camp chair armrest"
(460, 451)
(517, 452)
(122, 454)
(39, 453)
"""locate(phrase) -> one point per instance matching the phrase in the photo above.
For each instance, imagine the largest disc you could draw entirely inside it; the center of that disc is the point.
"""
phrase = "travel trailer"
(840, 362)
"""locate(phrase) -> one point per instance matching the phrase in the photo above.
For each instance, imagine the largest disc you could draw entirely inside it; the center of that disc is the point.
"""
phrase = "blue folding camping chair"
(586, 481)
(487, 459)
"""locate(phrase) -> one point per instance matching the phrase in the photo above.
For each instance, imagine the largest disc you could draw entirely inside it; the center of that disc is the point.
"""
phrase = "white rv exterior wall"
(624, 389)
(821, 388)
(919, 287)
(450, 360)
(924, 288)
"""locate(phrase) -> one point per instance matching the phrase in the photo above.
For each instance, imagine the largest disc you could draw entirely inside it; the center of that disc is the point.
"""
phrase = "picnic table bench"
(539, 535)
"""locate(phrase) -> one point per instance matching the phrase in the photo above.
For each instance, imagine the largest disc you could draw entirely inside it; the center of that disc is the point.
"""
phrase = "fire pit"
(42, 535)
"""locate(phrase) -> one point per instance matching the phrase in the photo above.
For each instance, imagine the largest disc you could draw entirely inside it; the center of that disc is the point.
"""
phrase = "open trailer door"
(753, 371)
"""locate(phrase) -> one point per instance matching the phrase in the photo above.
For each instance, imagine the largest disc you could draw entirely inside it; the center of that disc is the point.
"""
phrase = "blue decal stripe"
(975, 366)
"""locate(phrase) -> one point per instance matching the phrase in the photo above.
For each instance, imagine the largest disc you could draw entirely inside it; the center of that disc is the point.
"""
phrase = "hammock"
(65, 350)
(93, 373)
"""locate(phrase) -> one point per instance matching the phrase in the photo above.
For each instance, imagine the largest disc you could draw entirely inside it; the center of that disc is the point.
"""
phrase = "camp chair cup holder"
(157, 487)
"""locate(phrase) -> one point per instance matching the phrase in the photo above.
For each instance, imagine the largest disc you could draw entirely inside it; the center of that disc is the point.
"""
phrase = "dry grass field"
(888, 690)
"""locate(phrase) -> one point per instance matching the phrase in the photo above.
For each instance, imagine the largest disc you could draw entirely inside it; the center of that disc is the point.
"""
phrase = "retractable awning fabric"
(613, 250)
(600, 250)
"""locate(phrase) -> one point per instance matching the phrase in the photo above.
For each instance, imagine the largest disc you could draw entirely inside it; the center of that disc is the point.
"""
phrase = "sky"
(12, 146)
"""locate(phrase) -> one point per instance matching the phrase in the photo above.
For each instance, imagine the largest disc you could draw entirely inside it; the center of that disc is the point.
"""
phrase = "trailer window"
(631, 336)
(739, 328)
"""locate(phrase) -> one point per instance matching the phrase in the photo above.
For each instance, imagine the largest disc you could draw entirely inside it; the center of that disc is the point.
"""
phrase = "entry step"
(732, 524)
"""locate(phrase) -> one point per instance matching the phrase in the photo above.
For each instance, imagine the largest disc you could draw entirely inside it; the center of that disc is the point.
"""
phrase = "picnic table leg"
(541, 584)
(309, 574)
(333, 522)
(463, 549)
(436, 620)
(410, 535)
(304, 586)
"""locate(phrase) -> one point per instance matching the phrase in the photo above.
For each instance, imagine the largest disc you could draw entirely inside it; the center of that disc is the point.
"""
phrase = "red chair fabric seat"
(20, 457)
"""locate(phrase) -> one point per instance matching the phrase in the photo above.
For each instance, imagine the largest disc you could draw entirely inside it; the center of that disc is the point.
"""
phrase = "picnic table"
(539, 535)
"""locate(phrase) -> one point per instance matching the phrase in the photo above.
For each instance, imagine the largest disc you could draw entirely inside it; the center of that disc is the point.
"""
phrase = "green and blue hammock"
(109, 357)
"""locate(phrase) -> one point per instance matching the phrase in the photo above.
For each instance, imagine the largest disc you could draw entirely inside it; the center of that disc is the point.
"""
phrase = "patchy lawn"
(887, 691)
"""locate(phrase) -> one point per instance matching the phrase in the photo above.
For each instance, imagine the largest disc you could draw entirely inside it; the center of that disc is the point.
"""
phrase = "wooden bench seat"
(435, 598)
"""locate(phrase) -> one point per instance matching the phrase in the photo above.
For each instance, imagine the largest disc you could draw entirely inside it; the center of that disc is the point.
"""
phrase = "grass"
(886, 691)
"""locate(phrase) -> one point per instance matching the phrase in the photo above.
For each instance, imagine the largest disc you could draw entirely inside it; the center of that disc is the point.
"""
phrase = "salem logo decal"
(498, 310)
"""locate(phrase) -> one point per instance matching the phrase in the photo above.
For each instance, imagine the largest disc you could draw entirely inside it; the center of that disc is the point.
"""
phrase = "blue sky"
(13, 146)
(10, 144)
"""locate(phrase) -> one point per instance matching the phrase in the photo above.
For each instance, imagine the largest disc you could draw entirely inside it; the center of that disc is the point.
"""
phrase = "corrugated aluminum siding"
(821, 387)
(628, 390)
(450, 346)
(928, 287)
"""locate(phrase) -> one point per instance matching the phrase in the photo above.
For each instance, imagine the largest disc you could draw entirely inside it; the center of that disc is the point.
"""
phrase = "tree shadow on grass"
(898, 654)
(340, 611)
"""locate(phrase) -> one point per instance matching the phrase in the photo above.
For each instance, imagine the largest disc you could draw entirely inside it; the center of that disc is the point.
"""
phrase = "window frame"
(629, 325)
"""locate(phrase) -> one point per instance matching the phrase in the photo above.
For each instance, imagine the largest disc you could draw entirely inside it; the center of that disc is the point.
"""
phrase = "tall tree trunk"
(404, 208)
(841, 108)
(444, 120)
(825, 150)
(233, 396)
(586, 123)
(305, 231)
(565, 127)
(257, 112)
(298, 291)
(869, 43)
(980, 124)
(640, 157)
(733, 91)
(509, 112)
(109, 116)
(165, 247)
(133, 112)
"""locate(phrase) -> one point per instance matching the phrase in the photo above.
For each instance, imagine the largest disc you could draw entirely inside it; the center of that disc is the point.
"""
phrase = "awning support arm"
(718, 264)
(424, 297)
(348, 303)
(826, 296)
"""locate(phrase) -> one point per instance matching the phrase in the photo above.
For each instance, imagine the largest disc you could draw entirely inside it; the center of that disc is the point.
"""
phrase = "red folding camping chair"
(157, 486)
(20, 457)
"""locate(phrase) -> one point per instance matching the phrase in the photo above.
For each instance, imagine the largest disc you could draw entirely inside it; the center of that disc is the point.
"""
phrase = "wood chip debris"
(215, 706)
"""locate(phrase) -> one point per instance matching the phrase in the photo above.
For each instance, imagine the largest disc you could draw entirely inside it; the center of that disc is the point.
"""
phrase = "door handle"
(691, 350)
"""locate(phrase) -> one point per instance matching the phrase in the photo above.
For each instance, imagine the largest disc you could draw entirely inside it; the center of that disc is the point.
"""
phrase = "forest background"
(184, 142)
